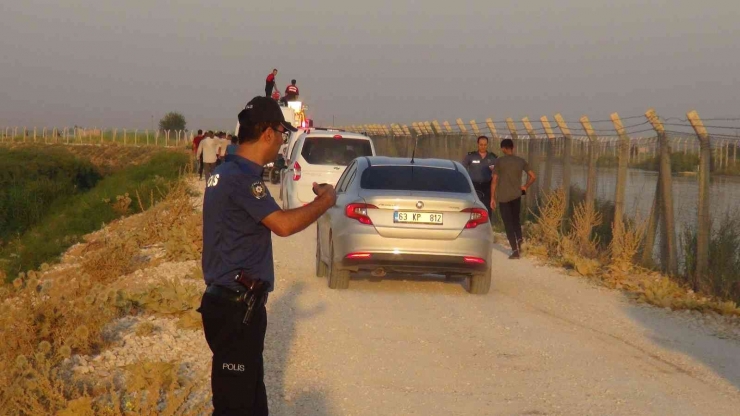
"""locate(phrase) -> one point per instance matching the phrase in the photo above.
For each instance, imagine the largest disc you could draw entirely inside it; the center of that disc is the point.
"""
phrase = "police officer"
(479, 164)
(239, 217)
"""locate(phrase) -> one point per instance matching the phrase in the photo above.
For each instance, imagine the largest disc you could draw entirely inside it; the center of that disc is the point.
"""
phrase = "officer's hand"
(493, 204)
(325, 190)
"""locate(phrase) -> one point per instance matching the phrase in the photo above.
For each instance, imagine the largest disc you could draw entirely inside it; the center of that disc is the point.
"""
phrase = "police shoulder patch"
(259, 190)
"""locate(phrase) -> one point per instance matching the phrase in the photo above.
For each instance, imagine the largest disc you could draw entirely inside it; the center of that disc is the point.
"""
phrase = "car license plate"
(411, 217)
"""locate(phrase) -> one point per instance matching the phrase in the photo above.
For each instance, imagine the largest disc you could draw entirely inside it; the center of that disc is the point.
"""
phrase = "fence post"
(704, 225)
(669, 257)
(547, 182)
(591, 181)
(512, 129)
(532, 157)
(461, 125)
(437, 127)
(624, 155)
(448, 127)
(494, 134)
(567, 153)
(474, 127)
(124, 137)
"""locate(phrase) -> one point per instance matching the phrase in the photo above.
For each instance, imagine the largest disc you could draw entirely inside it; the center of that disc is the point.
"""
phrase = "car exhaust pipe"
(379, 272)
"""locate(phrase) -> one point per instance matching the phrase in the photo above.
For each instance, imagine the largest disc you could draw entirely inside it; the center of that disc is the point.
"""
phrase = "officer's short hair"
(507, 144)
(251, 132)
(292, 81)
(482, 137)
(200, 131)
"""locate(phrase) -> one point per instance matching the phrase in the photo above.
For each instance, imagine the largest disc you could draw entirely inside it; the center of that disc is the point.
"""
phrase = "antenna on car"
(413, 152)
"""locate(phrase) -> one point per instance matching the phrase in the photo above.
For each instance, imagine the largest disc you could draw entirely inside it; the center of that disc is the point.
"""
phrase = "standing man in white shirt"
(208, 147)
(223, 142)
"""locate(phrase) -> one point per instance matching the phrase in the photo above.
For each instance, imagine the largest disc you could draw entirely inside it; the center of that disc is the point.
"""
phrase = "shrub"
(723, 277)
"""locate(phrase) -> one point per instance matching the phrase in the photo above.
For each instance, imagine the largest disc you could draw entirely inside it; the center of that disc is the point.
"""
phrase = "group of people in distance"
(291, 91)
(210, 149)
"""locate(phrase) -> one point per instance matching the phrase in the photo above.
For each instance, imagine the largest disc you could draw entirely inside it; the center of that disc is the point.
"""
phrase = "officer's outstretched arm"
(286, 223)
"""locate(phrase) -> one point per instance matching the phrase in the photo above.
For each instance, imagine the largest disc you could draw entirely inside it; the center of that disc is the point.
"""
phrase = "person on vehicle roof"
(270, 83)
(291, 92)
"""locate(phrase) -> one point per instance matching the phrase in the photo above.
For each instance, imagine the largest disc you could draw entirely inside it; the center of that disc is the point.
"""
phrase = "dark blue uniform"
(481, 174)
(234, 239)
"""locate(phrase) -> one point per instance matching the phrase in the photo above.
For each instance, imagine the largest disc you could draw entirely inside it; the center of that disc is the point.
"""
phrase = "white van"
(319, 156)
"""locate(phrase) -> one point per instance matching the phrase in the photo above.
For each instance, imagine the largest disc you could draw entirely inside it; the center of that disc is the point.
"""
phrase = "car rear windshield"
(414, 178)
(331, 151)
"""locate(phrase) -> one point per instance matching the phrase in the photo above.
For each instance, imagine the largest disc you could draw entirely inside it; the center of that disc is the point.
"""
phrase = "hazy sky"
(118, 63)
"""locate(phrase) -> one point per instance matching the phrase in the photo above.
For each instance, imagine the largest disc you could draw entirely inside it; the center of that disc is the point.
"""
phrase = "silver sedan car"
(395, 214)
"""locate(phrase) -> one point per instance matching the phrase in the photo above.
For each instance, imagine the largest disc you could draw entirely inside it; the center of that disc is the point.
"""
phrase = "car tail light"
(296, 171)
(474, 260)
(478, 216)
(337, 136)
(359, 212)
(357, 256)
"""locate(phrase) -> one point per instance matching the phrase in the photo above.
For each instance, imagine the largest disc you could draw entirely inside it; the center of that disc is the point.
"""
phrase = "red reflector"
(358, 256)
(474, 260)
(337, 136)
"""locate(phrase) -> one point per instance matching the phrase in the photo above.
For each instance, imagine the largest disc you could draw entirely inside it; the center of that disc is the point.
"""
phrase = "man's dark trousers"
(510, 214)
(485, 187)
(237, 370)
(200, 168)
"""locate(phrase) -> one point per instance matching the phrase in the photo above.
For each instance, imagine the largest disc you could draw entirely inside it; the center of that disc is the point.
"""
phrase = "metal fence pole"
(669, 255)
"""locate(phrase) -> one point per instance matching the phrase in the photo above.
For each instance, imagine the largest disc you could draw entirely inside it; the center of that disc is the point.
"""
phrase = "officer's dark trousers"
(485, 187)
(510, 212)
(200, 166)
(237, 371)
(268, 92)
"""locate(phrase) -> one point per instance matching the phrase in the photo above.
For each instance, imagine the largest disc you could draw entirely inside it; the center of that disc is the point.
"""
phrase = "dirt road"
(540, 343)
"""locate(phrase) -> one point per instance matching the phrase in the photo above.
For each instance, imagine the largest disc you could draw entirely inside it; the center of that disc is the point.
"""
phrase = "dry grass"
(626, 242)
(579, 249)
(548, 228)
(173, 299)
(48, 315)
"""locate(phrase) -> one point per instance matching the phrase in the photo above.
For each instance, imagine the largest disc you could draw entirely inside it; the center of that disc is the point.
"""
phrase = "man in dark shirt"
(507, 189)
(479, 164)
(270, 83)
(239, 217)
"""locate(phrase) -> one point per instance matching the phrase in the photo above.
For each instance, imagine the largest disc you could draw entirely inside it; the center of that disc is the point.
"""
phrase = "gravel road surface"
(540, 343)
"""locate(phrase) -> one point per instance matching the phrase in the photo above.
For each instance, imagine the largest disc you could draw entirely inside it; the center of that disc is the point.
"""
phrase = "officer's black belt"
(225, 293)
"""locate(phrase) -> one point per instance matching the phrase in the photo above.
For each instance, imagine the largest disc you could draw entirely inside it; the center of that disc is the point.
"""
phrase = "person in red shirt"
(291, 93)
(270, 83)
(196, 142)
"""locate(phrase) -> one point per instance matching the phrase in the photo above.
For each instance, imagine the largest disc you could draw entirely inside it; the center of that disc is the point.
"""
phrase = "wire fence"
(78, 136)
(681, 178)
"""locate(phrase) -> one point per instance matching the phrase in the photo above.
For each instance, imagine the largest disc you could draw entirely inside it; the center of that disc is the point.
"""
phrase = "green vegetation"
(723, 276)
(75, 202)
(680, 162)
(32, 181)
(172, 121)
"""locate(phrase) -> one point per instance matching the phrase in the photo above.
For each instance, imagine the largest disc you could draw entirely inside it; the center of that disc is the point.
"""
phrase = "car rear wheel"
(320, 265)
(480, 283)
(338, 279)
